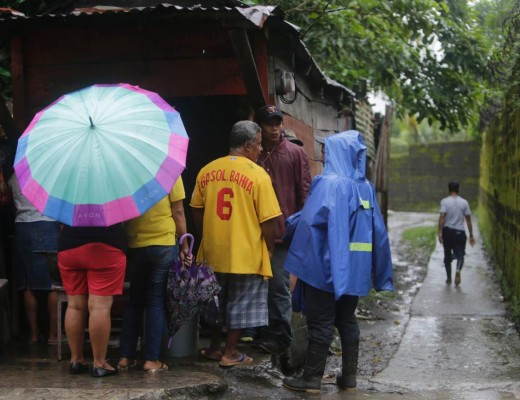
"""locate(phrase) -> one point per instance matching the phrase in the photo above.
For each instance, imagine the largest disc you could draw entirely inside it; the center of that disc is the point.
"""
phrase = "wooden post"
(247, 64)
(382, 159)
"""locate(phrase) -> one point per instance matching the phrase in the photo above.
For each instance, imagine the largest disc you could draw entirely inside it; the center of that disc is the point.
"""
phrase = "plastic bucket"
(185, 342)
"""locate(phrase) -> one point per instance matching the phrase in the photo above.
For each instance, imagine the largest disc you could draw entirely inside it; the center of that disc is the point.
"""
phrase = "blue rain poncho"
(340, 243)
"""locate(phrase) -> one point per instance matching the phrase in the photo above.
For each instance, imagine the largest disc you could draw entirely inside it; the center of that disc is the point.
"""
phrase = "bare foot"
(154, 365)
(125, 362)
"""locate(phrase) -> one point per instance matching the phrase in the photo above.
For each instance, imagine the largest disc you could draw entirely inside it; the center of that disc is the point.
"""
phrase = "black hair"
(453, 186)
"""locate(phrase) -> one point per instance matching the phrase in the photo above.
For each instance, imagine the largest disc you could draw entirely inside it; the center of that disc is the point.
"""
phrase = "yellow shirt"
(237, 196)
(156, 227)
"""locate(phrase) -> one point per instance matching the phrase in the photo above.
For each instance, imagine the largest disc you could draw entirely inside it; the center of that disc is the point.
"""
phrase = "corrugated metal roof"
(82, 8)
(257, 15)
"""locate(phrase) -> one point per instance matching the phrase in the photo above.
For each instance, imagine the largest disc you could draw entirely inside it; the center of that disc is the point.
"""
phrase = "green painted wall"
(499, 197)
(419, 180)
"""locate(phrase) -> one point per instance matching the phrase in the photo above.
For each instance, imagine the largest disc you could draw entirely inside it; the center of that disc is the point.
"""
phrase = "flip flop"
(243, 359)
(162, 368)
(131, 364)
(207, 355)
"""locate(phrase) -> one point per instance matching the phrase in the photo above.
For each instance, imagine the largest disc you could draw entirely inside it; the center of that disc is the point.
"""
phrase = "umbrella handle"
(192, 240)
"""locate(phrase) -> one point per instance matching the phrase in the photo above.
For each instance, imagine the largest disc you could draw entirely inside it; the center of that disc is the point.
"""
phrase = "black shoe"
(269, 346)
(98, 372)
(303, 384)
(346, 383)
(77, 368)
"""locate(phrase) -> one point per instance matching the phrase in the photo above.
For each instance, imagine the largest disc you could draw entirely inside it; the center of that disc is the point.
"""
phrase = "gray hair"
(243, 132)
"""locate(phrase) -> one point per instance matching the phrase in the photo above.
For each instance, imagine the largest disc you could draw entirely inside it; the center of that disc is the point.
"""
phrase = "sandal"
(131, 364)
(162, 368)
(243, 359)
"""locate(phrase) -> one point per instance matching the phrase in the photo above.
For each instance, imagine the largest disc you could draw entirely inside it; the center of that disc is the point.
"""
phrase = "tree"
(429, 57)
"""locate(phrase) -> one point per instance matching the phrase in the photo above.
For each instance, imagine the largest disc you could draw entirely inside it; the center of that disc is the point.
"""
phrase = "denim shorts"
(31, 241)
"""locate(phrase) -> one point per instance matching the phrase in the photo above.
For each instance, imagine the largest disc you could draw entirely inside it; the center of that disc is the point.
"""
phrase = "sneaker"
(448, 281)
(457, 278)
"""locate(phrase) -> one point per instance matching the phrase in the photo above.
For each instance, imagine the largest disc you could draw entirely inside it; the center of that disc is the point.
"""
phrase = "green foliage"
(421, 238)
(409, 131)
(430, 57)
(374, 296)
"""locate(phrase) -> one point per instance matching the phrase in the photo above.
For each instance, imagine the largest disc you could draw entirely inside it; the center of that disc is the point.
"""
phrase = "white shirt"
(456, 208)
(25, 211)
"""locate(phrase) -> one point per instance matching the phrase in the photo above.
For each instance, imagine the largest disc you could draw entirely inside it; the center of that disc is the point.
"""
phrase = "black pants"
(454, 243)
(324, 312)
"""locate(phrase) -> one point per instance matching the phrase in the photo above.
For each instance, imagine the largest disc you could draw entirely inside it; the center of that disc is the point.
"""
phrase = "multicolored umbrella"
(188, 288)
(101, 155)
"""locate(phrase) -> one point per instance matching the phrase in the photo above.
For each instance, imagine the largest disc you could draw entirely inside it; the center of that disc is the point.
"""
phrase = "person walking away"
(153, 249)
(34, 234)
(340, 249)
(235, 208)
(92, 265)
(452, 235)
(287, 165)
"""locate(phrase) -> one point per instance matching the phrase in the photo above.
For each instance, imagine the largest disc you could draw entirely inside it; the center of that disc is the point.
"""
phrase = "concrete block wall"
(418, 181)
(499, 213)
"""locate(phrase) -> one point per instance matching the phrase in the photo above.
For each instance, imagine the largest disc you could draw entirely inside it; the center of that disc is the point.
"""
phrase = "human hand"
(440, 237)
(292, 282)
(472, 241)
(186, 257)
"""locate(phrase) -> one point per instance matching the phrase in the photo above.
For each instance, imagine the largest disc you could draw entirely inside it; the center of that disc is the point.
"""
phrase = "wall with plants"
(418, 180)
(499, 213)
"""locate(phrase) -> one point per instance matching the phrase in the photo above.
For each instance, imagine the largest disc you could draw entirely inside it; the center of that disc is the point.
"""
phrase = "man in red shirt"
(287, 165)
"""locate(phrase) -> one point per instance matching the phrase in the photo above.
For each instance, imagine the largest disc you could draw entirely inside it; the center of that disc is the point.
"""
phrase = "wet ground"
(429, 341)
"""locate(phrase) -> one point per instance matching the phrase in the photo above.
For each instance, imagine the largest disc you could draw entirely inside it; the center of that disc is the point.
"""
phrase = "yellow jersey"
(237, 196)
(156, 227)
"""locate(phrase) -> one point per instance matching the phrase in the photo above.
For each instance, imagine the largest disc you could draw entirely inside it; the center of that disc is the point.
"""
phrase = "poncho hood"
(345, 155)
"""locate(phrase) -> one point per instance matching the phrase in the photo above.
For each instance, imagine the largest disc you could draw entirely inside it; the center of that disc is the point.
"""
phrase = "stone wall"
(419, 180)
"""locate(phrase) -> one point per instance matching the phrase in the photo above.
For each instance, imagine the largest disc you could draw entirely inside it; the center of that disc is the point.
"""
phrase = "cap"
(320, 139)
(266, 112)
(291, 137)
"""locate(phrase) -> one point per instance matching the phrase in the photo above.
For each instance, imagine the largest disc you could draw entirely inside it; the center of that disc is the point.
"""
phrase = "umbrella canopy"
(101, 155)
(188, 288)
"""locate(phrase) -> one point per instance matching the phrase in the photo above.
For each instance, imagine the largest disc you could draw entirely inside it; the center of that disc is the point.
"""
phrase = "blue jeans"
(147, 271)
